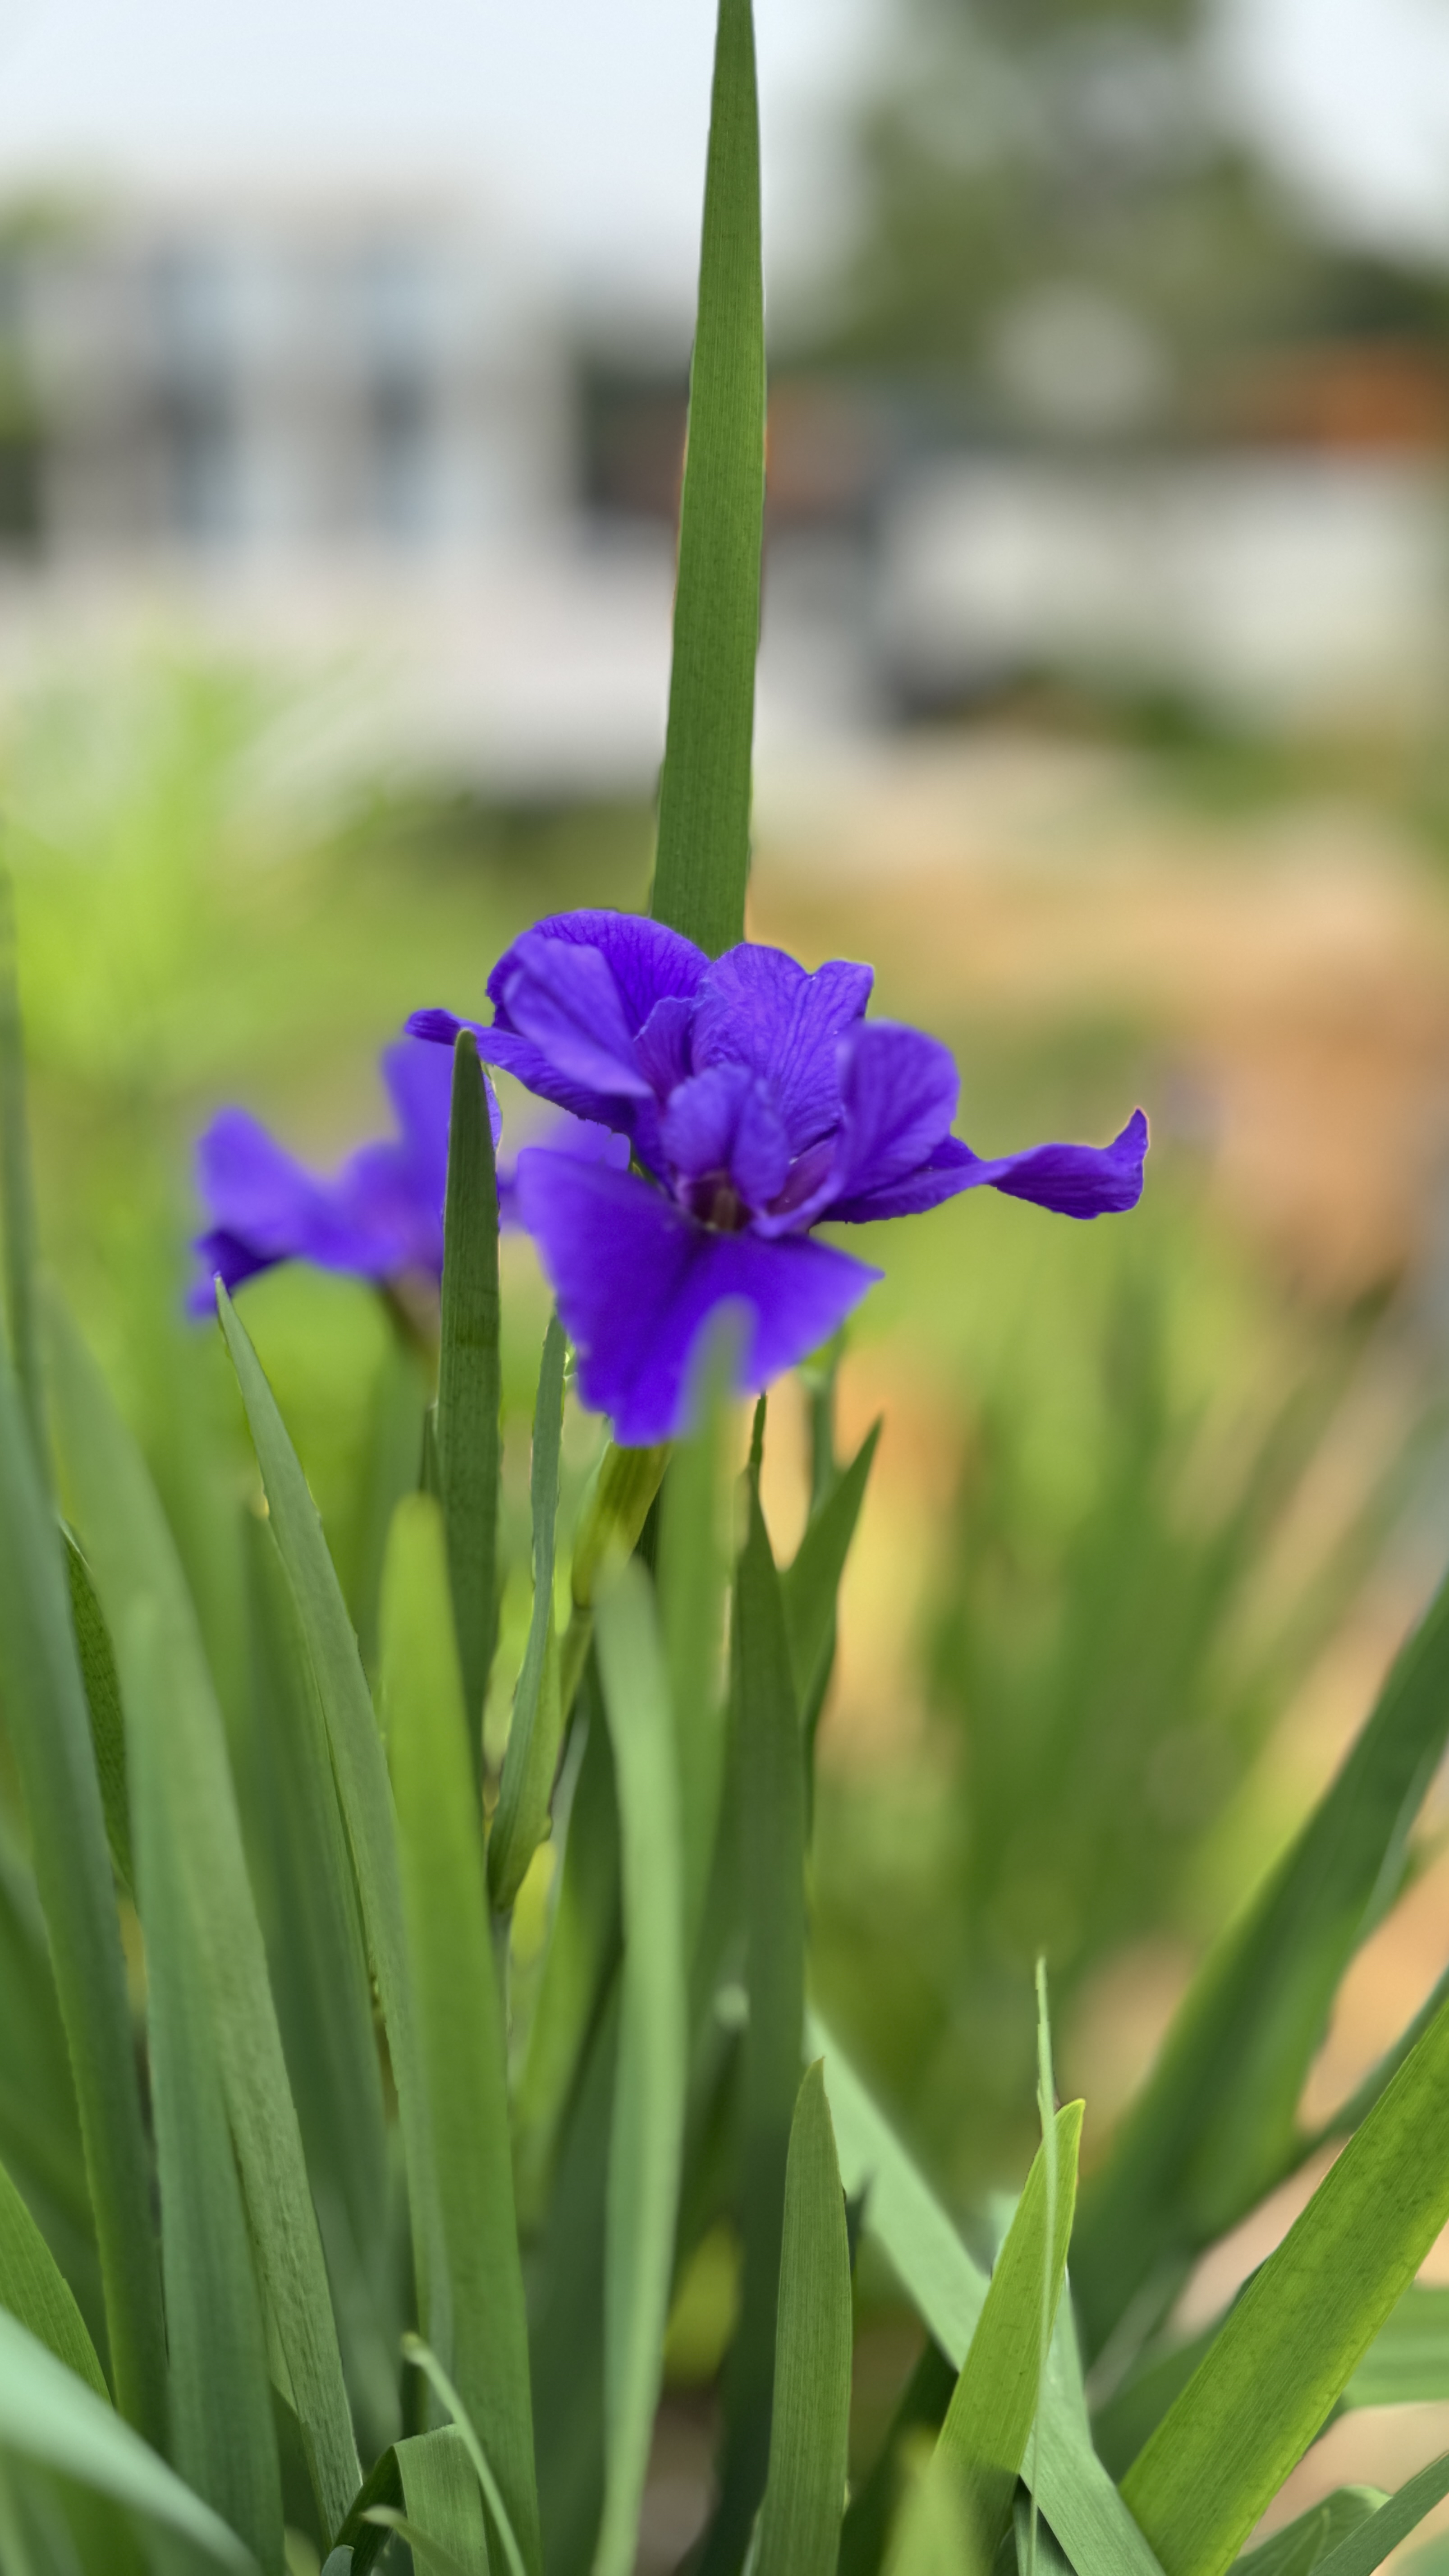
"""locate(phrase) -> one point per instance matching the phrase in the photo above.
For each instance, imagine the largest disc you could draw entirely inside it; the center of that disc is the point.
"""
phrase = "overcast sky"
(586, 118)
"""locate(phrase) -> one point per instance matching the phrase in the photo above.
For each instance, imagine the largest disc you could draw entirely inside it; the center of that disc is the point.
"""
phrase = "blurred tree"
(1055, 205)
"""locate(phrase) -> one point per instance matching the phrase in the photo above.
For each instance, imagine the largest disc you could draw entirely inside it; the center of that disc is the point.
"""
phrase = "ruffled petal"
(565, 1001)
(636, 1280)
(720, 1125)
(757, 1007)
(1071, 1180)
(581, 1138)
(520, 1057)
(662, 1046)
(647, 960)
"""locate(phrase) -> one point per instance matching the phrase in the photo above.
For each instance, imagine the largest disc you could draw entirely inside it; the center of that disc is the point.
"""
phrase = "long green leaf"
(468, 1382)
(649, 2091)
(323, 1992)
(533, 1738)
(443, 2500)
(1215, 2127)
(993, 2407)
(425, 2360)
(103, 1699)
(49, 2416)
(1407, 2364)
(460, 2019)
(694, 1580)
(582, 1952)
(1300, 2545)
(703, 857)
(948, 2291)
(17, 1211)
(130, 1548)
(1368, 2546)
(50, 1734)
(1294, 2339)
(35, 2290)
(363, 1791)
(811, 1583)
(810, 2430)
(772, 1815)
(223, 2440)
(921, 2408)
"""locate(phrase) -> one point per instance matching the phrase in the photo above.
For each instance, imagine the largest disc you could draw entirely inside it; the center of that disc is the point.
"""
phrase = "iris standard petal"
(1071, 1180)
(721, 1126)
(565, 1001)
(647, 960)
(636, 1279)
(419, 1081)
(513, 1054)
(757, 1007)
(253, 1188)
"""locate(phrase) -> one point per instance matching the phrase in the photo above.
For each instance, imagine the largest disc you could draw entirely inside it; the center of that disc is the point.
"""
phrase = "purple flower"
(759, 1102)
(379, 1217)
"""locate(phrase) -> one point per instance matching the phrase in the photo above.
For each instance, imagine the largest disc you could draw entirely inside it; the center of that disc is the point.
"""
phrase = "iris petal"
(1071, 1180)
(637, 1279)
(722, 1123)
(647, 960)
(565, 1001)
(758, 1008)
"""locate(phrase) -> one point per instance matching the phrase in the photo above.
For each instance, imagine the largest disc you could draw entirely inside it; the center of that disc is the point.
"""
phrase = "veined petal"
(636, 1279)
(1072, 1180)
(565, 1000)
(520, 1057)
(757, 1007)
(582, 1139)
(721, 1124)
(646, 959)
(898, 1091)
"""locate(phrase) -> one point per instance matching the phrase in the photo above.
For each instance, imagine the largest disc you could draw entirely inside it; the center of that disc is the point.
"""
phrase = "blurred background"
(1104, 703)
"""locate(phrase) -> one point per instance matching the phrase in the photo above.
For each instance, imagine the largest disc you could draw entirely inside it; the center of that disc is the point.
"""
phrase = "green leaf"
(391, 1468)
(363, 1790)
(810, 2429)
(1215, 2127)
(991, 2413)
(934, 2534)
(616, 1507)
(703, 855)
(646, 2140)
(582, 1953)
(222, 2437)
(131, 1551)
(323, 1992)
(427, 2361)
(459, 2013)
(35, 2290)
(1292, 2342)
(923, 2404)
(468, 1382)
(50, 2417)
(1368, 2546)
(103, 1699)
(694, 1578)
(948, 2291)
(17, 1206)
(533, 1738)
(1298, 2547)
(364, 2539)
(1407, 2364)
(771, 1770)
(811, 1584)
(50, 1734)
(443, 2524)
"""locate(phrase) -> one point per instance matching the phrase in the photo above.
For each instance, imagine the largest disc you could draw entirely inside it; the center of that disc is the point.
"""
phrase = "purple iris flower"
(758, 1102)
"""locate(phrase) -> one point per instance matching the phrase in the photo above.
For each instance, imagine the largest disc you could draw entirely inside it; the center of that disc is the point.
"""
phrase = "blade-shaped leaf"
(1368, 2546)
(991, 2413)
(694, 1578)
(443, 2501)
(533, 1738)
(1215, 2127)
(49, 2416)
(460, 2019)
(1407, 2364)
(222, 2437)
(649, 2088)
(50, 1734)
(103, 1699)
(703, 856)
(468, 1381)
(129, 1547)
(35, 2290)
(772, 1815)
(391, 1468)
(1298, 2547)
(363, 1791)
(1291, 2344)
(810, 2429)
(948, 2291)
(582, 1952)
(324, 1993)
(922, 2406)
(419, 2354)
(811, 1583)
